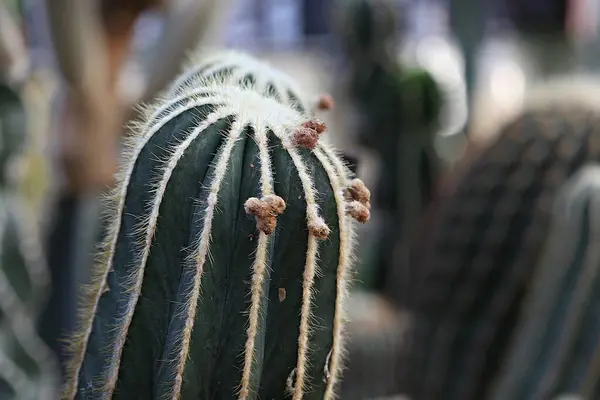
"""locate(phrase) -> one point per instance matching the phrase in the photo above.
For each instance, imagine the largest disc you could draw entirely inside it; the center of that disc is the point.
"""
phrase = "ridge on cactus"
(556, 343)
(487, 241)
(226, 260)
(237, 68)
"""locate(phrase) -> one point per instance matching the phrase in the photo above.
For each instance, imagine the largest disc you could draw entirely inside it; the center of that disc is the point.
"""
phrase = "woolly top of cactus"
(263, 115)
(237, 98)
(236, 67)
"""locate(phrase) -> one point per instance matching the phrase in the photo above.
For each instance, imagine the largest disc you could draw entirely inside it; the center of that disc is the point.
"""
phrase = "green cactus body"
(27, 366)
(240, 68)
(368, 26)
(556, 345)
(195, 297)
(484, 247)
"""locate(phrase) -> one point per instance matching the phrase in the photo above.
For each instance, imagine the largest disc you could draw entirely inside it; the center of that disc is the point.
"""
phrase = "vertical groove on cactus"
(317, 229)
(260, 263)
(101, 286)
(203, 246)
(335, 171)
(175, 323)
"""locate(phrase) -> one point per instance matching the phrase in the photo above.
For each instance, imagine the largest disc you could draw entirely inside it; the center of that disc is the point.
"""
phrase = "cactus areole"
(226, 263)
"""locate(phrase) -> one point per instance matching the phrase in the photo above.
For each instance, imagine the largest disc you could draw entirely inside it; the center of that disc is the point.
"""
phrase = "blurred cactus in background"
(486, 243)
(555, 348)
(27, 366)
(400, 108)
(230, 233)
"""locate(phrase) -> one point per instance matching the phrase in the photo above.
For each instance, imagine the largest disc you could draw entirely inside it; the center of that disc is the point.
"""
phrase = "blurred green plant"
(556, 345)
(400, 108)
(486, 244)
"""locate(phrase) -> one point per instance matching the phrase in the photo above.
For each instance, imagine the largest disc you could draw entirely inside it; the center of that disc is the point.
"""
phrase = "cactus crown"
(239, 68)
(555, 345)
(206, 257)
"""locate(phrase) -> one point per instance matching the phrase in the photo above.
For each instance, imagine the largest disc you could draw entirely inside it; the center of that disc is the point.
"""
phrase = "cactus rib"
(235, 114)
(335, 171)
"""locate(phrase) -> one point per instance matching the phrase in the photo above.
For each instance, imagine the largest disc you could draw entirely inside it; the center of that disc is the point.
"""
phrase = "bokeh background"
(79, 67)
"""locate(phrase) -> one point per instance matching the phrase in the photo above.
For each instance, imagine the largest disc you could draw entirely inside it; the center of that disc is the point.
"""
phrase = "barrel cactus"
(486, 243)
(27, 366)
(227, 256)
(241, 68)
(556, 343)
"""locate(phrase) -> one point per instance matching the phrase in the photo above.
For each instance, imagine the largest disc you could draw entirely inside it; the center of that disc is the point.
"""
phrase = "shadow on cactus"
(486, 244)
(556, 347)
(27, 366)
(239, 68)
(227, 258)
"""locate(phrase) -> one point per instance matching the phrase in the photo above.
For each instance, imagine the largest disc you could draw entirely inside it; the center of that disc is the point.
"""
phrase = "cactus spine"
(237, 68)
(556, 343)
(182, 258)
(486, 244)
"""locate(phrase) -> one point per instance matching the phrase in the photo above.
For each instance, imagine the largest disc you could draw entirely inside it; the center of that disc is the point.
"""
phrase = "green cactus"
(555, 350)
(400, 111)
(27, 366)
(368, 27)
(484, 248)
(240, 68)
(227, 256)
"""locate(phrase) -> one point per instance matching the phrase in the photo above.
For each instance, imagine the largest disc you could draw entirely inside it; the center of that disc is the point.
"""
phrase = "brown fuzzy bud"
(305, 137)
(359, 192)
(319, 229)
(315, 124)
(358, 211)
(266, 211)
(325, 102)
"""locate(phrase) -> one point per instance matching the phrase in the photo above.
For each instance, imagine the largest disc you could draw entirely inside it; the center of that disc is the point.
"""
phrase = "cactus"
(485, 245)
(226, 260)
(241, 68)
(400, 108)
(27, 367)
(556, 343)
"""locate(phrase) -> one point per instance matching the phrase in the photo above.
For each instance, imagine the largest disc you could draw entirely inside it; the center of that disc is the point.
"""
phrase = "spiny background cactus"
(241, 68)
(27, 367)
(486, 243)
(555, 347)
(227, 258)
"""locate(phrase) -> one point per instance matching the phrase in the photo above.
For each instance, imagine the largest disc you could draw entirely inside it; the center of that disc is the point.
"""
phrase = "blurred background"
(78, 68)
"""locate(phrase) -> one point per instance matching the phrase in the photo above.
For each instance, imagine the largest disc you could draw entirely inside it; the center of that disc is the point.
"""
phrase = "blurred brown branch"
(91, 45)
